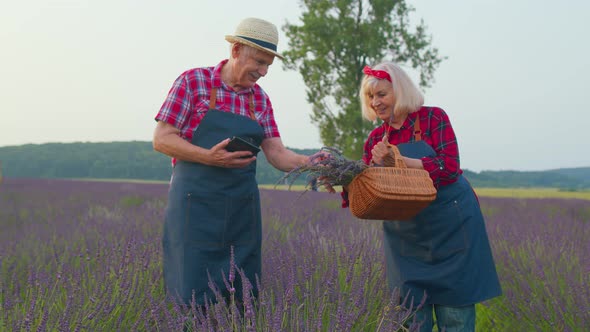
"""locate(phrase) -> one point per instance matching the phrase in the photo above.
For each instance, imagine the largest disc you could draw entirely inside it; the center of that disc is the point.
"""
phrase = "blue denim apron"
(444, 251)
(210, 209)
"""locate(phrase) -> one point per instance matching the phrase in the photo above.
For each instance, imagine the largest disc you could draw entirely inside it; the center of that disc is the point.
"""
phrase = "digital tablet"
(239, 144)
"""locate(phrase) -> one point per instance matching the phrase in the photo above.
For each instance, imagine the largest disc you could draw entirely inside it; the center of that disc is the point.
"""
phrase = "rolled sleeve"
(441, 170)
(176, 108)
(444, 168)
(267, 120)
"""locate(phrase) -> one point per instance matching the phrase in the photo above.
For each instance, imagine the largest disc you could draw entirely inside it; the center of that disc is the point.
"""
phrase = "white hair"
(408, 98)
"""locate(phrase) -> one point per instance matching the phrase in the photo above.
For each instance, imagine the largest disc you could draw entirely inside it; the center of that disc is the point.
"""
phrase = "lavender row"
(87, 256)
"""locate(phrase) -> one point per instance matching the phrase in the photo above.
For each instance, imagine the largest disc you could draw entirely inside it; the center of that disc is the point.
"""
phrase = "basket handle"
(398, 159)
(397, 156)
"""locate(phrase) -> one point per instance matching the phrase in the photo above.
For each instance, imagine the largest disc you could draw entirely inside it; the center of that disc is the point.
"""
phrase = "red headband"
(380, 74)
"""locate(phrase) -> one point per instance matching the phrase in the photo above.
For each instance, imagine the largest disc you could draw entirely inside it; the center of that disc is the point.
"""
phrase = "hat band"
(261, 43)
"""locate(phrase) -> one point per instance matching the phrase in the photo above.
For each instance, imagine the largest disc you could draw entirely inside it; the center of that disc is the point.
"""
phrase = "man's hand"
(220, 157)
(318, 157)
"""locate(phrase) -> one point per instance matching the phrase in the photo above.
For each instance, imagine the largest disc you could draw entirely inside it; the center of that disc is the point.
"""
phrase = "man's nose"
(263, 70)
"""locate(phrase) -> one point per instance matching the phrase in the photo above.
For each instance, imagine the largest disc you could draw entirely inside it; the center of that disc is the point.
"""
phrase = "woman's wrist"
(413, 163)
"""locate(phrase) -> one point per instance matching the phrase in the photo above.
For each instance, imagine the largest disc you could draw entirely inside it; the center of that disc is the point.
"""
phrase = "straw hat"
(257, 33)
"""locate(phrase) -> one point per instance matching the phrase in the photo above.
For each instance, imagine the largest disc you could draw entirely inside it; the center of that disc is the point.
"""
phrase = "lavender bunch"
(327, 167)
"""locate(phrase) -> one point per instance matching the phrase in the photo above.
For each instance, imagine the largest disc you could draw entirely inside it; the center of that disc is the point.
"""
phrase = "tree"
(336, 40)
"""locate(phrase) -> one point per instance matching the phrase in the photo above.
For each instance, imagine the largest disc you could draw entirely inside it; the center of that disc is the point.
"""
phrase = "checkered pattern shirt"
(437, 132)
(188, 102)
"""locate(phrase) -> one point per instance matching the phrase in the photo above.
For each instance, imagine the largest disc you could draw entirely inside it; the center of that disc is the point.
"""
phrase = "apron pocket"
(450, 235)
(437, 233)
(205, 220)
(218, 221)
(406, 238)
(243, 221)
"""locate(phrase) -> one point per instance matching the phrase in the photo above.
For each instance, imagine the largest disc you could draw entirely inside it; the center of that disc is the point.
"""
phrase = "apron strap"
(417, 131)
(252, 106)
(213, 99)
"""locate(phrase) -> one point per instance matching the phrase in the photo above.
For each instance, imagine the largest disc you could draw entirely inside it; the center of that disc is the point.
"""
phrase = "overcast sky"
(514, 84)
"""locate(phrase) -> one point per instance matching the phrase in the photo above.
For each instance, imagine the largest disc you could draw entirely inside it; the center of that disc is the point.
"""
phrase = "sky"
(513, 82)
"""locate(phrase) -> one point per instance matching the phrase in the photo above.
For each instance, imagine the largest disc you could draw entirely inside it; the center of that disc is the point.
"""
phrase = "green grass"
(484, 192)
(118, 180)
(295, 187)
(532, 193)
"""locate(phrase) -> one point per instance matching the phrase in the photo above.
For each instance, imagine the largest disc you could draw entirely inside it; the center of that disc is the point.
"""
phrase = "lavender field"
(86, 256)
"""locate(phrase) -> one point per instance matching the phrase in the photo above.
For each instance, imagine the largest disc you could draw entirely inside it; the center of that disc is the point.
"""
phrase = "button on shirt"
(188, 102)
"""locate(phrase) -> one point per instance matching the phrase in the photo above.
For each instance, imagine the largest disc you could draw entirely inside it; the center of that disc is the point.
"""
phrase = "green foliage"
(113, 160)
(137, 160)
(130, 201)
(335, 41)
(120, 160)
(267, 174)
(565, 178)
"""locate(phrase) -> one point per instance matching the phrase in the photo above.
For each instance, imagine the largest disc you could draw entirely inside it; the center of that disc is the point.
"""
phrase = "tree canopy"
(336, 40)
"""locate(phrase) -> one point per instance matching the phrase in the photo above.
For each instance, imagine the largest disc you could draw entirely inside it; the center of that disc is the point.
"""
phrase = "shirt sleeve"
(267, 118)
(344, 195)
(445, 167)
(176, 108)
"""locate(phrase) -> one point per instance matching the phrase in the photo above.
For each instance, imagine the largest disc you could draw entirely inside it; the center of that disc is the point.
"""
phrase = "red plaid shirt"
(437, 132)
(188, 102)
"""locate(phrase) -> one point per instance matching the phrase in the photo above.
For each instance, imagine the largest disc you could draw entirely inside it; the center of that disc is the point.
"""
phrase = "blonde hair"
(408, 98)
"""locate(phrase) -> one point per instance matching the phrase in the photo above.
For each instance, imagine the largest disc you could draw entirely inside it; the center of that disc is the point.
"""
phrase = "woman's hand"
(382, 154)
(322, 181)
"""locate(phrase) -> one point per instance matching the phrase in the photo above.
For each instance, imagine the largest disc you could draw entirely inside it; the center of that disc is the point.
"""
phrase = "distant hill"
(566, 178)
(137, 160)
(113, 160)
(580, 173)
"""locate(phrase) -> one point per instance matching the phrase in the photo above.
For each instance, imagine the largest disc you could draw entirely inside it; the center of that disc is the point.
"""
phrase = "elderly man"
(213, 202)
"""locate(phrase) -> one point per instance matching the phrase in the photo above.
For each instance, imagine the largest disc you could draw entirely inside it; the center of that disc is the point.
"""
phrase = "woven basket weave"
(390, 193)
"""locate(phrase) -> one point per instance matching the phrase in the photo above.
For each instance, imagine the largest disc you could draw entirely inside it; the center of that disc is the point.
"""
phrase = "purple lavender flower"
(78, 255)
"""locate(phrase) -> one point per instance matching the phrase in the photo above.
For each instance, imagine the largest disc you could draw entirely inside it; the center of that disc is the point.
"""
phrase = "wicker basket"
(390, 193)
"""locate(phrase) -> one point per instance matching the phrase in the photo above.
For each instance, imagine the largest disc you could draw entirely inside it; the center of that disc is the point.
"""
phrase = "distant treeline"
(137, 160)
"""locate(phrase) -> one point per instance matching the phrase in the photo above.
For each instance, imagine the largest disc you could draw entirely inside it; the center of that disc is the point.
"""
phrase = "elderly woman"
(444, 251)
